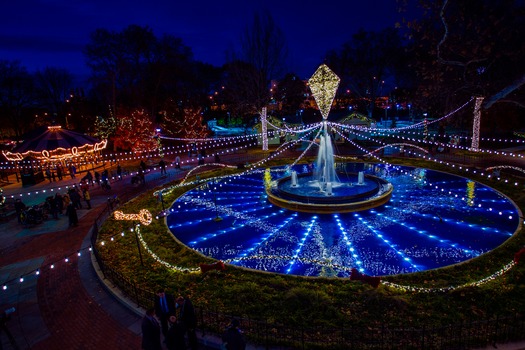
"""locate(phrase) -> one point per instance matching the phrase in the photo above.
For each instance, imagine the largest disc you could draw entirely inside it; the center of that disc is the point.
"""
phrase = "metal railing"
(274, 335)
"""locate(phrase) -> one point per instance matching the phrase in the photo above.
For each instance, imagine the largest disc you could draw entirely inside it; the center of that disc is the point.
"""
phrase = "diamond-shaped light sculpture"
(323, 84)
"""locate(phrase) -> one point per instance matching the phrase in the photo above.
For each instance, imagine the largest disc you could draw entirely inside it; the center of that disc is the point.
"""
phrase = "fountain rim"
(332, 207)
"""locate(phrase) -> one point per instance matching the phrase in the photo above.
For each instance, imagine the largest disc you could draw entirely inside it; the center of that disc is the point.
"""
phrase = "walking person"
(150, 331)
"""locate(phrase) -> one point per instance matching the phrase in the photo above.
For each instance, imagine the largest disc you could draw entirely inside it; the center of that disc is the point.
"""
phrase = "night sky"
(52, 33)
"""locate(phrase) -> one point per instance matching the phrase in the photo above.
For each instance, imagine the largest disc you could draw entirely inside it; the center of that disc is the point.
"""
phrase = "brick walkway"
(55, 310)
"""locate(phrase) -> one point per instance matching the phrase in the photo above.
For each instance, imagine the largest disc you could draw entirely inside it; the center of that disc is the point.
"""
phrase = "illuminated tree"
(105, 127)
(135, 132)
(185, 123)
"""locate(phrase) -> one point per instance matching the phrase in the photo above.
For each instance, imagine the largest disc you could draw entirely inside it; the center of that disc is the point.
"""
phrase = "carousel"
(53, 151)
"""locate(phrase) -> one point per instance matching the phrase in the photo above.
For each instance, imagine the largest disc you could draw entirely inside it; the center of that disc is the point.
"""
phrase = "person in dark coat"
(71, 213)
(162, 165)
(164, 307)
(232, 338)
(150, 331)
(188, 319)
(60, 202)
(19, 208)
(175, 335)
(119, 171)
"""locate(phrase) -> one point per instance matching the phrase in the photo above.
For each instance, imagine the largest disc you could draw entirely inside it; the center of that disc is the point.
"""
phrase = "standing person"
(19, 208)
(66, 200)
(233, 338)
(143, 166)
(71, 171)
(48, 174)
(87, 198)
(59, 172)
(74, 195)
(97, 177)
(177, 162)
(4, 317)
(188, 319)
(162, 165)
(141, 176)
(150, 331)
(60, 202)
(164, 307)
(53, 206)
(175, 335)
(71, 213)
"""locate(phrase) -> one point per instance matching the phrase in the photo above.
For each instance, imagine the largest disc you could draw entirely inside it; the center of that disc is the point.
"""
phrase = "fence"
(275, 335)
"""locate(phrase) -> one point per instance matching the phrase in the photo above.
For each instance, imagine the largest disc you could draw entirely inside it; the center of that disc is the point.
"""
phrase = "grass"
(306, 301)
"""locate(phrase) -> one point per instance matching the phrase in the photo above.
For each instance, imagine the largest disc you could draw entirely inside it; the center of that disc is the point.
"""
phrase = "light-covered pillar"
(264, 130)
(477, 120)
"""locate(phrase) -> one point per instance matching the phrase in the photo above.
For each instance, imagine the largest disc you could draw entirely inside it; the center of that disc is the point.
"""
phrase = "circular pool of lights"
(433, 219)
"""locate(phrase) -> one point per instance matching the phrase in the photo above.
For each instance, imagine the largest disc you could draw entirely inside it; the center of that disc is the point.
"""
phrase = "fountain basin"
(347, 195)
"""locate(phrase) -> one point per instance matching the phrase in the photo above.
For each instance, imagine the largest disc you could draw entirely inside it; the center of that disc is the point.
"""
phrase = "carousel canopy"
(54, 143)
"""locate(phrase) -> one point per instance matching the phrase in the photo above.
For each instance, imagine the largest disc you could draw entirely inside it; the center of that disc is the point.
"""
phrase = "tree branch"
(498, 97)
(442, 41)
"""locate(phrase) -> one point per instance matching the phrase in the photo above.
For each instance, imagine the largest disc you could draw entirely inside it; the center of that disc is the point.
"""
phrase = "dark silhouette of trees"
(248, 73)
(16, 98)
(53, 89)
(366, 62)
(291, 94)
(263, 45)
(137, 70)
(466, 49)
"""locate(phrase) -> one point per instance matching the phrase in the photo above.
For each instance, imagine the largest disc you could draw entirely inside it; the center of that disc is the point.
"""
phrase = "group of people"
(175, 318)
(56, 173)
(67, 203)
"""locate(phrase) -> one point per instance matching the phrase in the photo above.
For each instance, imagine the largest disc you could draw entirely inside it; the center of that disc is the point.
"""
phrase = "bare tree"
(264, 46)
(262, 57)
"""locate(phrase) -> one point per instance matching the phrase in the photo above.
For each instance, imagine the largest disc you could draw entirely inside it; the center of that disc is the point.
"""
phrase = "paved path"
(67, 307)
(64, 307)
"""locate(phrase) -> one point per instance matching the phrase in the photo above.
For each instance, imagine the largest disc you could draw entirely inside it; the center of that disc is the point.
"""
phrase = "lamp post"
(217, 217)
(138, 244)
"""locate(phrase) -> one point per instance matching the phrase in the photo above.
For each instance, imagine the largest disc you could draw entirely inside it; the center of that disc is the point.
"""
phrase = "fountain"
(324, 190)
(433, 219)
